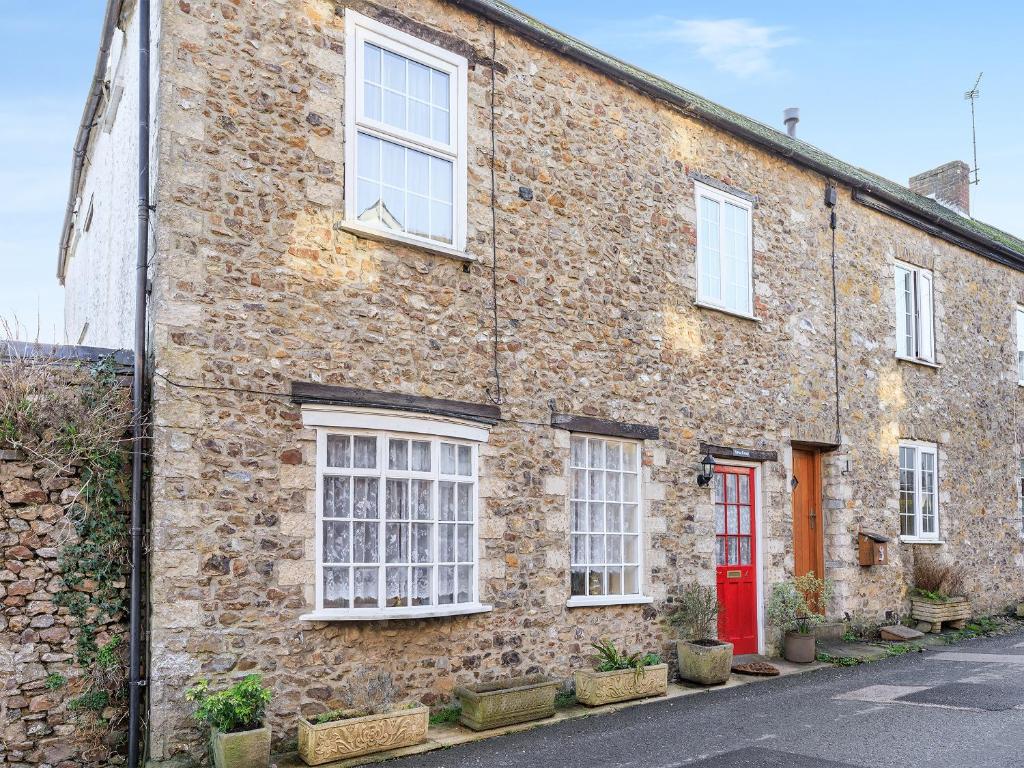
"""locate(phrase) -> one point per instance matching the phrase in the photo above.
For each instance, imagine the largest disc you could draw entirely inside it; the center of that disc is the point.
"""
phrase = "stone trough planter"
(354, 736)
(955, 610)
(506, 702)
(596, 688)
(708, 662)
(244, 749)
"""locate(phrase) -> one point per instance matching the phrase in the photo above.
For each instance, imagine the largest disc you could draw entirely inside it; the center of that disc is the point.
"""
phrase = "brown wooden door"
(808, 538)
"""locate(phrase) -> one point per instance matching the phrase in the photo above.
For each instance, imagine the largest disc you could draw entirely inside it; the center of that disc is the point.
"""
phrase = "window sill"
(592, 602)
(919, 540)
(382, 614)
(371, 233)
(724, 311)
(918, 361)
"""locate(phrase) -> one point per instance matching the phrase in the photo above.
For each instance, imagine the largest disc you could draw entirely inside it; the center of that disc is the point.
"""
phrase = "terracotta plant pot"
(706, 662)
(244, 749)
(491, 705)
(799, 648)
(354, 736)
(596, 688)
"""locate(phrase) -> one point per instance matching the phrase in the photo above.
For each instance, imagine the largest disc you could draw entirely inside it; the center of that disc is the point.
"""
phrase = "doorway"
(736, 557)
(808, 522)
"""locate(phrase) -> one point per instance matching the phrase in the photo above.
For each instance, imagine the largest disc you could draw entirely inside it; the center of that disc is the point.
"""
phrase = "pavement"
(960, 705)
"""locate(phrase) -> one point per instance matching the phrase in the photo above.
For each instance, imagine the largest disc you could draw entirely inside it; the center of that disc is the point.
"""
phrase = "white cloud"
(740, 47)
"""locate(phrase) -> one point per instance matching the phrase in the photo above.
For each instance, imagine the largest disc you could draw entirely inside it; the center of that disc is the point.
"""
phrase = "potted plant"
(505, 702)
(794, 608)
(703, 658)
(620, 676)
(938, 594)
(371, 721)
(239, 738)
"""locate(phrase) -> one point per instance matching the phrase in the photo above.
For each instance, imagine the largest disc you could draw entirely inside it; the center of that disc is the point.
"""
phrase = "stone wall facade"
(255, 286)
(37, 637)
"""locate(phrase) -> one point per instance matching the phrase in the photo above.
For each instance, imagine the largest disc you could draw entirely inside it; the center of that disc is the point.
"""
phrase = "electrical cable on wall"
(497, 398)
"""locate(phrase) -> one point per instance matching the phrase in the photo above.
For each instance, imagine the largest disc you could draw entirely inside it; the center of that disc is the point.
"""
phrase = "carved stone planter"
(597, 688)
(491, 705)
(355, 736)
(245, 749)
(956, 610)
(705, 663)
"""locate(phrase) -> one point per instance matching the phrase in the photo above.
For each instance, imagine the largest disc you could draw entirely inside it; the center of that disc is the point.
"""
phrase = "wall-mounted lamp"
(707, 471)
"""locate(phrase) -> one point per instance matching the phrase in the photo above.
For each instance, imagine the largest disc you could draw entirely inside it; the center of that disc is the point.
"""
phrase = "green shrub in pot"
(795, 608)
(239, 738)
(703, 658)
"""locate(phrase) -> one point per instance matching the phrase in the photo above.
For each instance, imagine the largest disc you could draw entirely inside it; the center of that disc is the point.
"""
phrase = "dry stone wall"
(256, 286)
(38, 638)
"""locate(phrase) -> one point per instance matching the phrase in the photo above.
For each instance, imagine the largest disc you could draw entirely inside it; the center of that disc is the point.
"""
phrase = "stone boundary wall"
(39, 678)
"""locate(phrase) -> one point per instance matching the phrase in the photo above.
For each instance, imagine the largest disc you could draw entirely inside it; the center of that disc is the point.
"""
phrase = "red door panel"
(736, 557)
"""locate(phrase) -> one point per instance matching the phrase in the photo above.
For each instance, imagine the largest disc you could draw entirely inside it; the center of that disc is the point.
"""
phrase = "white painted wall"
(99, 274)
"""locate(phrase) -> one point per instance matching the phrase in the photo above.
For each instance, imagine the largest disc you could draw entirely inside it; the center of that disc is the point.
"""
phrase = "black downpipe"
(135, 678)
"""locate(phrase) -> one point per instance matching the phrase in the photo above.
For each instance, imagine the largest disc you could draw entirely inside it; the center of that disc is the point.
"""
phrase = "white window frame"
(360, 29)
(1019, 317)
(923, 315)
(328, 420)
(723, 199)
(919, 448)
(1020, 496)
(581, 601)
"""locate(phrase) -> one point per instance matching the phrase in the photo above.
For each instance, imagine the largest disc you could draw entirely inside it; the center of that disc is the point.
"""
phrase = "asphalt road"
(958, 707)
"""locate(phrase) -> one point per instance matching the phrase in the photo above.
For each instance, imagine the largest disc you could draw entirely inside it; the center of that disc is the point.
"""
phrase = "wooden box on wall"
(873, 548)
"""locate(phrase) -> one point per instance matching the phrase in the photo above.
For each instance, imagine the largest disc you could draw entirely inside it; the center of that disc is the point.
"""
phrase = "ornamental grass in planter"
(506, 702)
(238, 736)
(620, 676)
(938, 594)
(794, 608)
(703, 658)
(370, 722)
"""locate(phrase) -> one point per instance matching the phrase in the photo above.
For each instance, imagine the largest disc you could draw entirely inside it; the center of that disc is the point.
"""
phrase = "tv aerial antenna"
(972, 96)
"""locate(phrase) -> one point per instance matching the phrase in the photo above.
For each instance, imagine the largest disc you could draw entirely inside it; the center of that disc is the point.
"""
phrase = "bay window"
(396, 518)
(405, 135)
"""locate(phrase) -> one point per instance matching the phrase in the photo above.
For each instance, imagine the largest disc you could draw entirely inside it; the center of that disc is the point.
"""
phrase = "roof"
(987, 240)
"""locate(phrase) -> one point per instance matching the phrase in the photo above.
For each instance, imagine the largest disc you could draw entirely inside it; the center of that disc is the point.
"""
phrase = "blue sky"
(879, 84)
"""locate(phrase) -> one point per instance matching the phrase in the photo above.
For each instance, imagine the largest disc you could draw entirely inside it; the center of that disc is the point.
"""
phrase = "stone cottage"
(446, 309)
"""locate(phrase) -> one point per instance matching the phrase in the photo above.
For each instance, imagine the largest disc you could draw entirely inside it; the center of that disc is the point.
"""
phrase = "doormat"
(758, 668)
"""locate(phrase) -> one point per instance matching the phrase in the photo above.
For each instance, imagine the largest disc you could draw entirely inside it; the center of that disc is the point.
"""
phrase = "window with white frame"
(724, 251)
(396, 521)
(919, 499)
(1020, 345)
(1020, 494)
(605, 546)
(405, 134)
(914, 313)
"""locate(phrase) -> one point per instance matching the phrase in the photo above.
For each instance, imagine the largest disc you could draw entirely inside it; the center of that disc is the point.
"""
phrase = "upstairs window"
(914, 314)
(1020, 345)
(724, 248)
(919, 500)
(405, 135)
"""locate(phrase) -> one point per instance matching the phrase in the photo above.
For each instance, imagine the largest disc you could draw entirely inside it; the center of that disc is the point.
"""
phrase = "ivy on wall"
(72, 419)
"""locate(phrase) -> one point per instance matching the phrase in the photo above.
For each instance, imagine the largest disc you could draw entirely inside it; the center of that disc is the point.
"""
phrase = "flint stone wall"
(255, 286)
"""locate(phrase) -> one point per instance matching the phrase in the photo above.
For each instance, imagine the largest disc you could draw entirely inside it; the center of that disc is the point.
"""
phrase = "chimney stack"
(791, 117)
(949, 184)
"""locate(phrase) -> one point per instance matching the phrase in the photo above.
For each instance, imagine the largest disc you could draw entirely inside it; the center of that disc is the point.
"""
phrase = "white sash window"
(918, 492)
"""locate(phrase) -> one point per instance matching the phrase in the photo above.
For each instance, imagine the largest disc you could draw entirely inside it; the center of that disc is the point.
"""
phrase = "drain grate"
(758, 757)
(991, 698)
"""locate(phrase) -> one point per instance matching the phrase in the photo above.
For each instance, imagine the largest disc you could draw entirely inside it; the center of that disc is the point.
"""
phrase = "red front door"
(736, 557)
